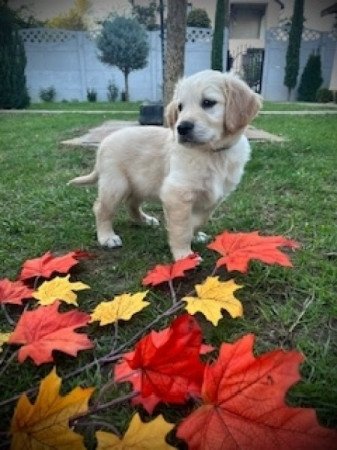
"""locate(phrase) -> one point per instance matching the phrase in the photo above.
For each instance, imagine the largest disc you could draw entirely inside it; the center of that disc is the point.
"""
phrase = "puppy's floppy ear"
(242, 104)
(171, 114)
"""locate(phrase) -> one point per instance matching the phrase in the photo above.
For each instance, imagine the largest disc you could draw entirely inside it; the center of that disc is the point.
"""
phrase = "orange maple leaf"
(163, 273)
(239, 248)
(244, 405)
(14, 292)
(47, 264)
(45, 329)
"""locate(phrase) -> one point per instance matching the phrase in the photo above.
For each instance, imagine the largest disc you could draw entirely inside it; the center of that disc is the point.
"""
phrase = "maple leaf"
(213, 296)
(45, 329)
(59, 288)
(139, 436)
(244, 405)
(239, 248)
(165, 366)
(4, 338)
(14, 292)
(122, 307)
(163, 273)
(47, 264)
(45, 424)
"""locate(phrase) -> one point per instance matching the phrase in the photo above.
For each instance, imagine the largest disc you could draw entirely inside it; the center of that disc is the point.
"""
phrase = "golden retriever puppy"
(190, 166)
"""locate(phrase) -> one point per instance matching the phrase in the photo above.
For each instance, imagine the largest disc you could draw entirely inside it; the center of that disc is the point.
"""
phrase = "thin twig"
(7, 316)
(100, 423)
(306, 305)
(104, 389)
(8, 362)
(173, 292)
(97, 408)
(4, 355)
(115, 336)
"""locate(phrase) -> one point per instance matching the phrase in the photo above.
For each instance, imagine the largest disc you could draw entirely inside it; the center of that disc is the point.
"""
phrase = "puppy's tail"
(91, 178)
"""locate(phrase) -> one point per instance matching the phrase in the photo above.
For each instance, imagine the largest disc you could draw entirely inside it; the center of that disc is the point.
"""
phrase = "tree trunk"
(175, 45)
(126, 83)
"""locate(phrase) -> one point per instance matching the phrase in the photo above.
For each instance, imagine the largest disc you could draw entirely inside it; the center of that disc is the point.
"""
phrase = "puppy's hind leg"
(138, 215)
(104, 208)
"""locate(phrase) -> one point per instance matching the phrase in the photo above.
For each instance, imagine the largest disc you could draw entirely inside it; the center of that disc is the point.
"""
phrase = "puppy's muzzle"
(185, 127)
(185, 131)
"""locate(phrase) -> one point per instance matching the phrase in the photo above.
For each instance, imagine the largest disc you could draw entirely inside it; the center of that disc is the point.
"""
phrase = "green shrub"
(218, 36)
(198, 17)
(91, 95)
(13, 90)
(112, 92)
(47, 94)
(323, 95)
(311, 79)
(294, 47)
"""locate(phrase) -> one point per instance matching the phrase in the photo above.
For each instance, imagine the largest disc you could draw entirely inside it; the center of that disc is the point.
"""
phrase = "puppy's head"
(211, 107)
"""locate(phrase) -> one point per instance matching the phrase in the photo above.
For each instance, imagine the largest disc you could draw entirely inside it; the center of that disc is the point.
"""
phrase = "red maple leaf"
(47, 264)
(14, 292)
(239, 248)
(45, 329)
(165, 366)
(162, 273)
(244, 405)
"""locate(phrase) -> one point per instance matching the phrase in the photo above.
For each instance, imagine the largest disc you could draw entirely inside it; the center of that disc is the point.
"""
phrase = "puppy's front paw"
(180, 254)
(112, 241)
(201, 237)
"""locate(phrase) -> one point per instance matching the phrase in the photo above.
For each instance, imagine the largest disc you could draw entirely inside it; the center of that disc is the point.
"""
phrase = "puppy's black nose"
(185, 127)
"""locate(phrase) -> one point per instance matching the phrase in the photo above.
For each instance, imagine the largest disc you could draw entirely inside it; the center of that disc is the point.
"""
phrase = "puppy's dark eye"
(206, 103)
(180, 107)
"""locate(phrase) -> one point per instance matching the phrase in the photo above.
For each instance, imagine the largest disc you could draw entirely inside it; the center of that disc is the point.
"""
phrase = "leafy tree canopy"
(146, 15)
(198, 17)
(123, 43)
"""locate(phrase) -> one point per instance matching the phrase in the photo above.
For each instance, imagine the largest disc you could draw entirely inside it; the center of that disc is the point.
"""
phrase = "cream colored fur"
(190, 173)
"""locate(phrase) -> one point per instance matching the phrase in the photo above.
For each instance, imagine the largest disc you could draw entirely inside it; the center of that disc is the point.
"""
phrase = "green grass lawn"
(298, 106)
(288, 189)
(86, 106)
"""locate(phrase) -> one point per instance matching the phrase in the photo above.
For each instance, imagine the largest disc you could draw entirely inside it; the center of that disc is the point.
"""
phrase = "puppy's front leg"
(177, 203)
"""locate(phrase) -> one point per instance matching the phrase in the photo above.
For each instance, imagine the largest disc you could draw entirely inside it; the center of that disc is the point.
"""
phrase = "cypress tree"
(311, 79)
(218, 35)
(13, 91)
(294, 46)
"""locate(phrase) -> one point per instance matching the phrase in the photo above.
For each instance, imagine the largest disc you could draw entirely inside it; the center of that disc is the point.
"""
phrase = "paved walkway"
(95, 135)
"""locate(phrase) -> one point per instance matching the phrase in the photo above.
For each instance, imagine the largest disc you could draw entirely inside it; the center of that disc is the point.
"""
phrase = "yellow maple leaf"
(59, 288)
(139, 436)
(121, 307)
(214, 295)
(3, 339)
(45, 424)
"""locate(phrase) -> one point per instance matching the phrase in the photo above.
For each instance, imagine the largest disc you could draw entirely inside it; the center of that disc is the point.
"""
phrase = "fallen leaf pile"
(236, 400)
